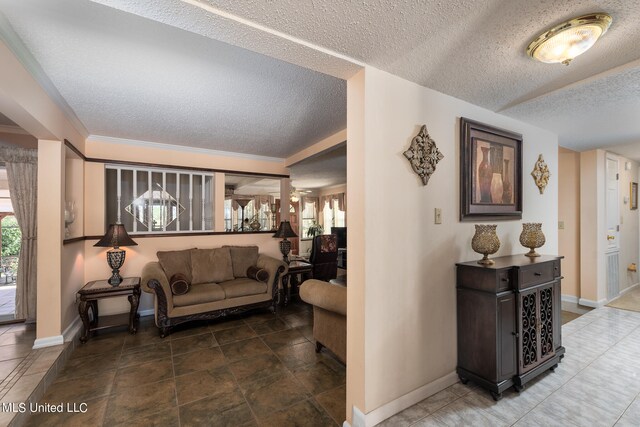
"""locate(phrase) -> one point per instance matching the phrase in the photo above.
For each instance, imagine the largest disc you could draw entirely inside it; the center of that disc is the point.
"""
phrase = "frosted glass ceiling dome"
(572, 38)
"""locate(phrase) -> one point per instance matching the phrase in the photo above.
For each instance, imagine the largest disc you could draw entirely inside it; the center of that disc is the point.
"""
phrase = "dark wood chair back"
(324, 257)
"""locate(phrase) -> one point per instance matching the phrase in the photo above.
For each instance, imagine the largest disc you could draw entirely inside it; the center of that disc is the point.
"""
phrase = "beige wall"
(405, 272)
(356, 356)
(95, 264)
(50, 235)
(569, 214)
(175, 156)
(593, 236)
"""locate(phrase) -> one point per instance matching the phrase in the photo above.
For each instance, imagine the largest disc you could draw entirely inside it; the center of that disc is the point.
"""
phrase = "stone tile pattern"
(596, 384)
(257, 369)
(25, 373)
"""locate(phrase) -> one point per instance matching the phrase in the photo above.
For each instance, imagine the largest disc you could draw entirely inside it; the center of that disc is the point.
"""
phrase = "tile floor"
(260, 369)
(597, 384)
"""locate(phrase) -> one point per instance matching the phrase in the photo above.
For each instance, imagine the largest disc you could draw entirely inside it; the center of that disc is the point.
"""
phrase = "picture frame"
(490, 172)
(634, 196)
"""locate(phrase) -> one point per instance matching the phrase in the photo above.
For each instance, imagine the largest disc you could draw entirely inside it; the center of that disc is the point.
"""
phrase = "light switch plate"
(560, 225)
(438, 216)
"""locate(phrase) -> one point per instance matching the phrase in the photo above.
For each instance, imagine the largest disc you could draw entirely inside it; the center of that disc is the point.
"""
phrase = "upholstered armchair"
(324, 257)
(329, 315)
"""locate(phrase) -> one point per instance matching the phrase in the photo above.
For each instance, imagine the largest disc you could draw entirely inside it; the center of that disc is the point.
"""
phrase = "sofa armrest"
(276, 269)
(325, 295)
(153, 272)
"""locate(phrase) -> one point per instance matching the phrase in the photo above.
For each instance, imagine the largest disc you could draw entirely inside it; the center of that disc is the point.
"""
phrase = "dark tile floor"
(258, 369)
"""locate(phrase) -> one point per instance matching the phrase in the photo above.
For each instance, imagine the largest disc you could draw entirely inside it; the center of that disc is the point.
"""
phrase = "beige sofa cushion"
(199, 294)
(242, 287)
(242, 258)
(174, 262)
(211, 265)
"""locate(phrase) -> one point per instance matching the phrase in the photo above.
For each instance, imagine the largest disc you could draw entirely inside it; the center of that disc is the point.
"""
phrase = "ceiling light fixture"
(564, 42)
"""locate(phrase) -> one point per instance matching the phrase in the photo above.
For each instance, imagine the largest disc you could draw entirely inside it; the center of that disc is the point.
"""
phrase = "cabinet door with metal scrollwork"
(546, 322)
(529, 341)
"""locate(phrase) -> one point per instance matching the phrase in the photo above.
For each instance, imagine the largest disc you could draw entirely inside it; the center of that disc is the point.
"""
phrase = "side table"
(291, 278)
(99, 289)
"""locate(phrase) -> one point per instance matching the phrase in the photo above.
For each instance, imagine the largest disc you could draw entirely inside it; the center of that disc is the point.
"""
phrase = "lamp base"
(115, 259)
(285, 248)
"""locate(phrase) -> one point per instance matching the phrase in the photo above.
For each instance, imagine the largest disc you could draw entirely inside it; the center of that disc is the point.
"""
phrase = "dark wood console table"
(99, 289)
(509, 321)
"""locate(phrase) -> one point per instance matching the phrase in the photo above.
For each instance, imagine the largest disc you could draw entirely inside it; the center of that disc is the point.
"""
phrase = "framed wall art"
(490, 172)
(634, 196)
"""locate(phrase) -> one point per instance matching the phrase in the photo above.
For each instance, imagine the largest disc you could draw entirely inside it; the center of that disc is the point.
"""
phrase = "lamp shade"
(285, 230)
(115, 237)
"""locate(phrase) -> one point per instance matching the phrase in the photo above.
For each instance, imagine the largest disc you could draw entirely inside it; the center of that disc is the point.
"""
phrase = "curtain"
(22, 173)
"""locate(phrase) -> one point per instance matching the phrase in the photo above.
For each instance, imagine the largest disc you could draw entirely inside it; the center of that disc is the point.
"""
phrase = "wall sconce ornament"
(423, 155)
(541, 174)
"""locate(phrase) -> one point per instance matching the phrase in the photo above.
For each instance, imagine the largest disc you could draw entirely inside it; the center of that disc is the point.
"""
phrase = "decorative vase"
(532, 237)
(69, 217)
(485, 175)
(255, 225)
(507, 187)
(485, 242)
(496, 188)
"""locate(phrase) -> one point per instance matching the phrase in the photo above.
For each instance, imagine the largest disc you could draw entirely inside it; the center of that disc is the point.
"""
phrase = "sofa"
(200, 284)
(329, 303)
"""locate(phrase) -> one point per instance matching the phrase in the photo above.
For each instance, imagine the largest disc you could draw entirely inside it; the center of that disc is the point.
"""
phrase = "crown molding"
(13, 129)
(17, 46)
(181, 148)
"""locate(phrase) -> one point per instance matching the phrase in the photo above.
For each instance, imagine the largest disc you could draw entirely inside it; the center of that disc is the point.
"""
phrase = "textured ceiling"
(130, 77)
(156, 70)
(475, 51)
(327, 169)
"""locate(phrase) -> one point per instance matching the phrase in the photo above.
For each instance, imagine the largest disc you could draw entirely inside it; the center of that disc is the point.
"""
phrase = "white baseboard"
(570, 299)
(149, 312)
(630, 288)
(48, 342)
(359, 419)
(591, 303)
(72, 330)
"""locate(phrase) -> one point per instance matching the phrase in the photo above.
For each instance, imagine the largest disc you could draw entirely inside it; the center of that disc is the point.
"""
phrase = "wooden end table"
(99, 289)
(290, 279)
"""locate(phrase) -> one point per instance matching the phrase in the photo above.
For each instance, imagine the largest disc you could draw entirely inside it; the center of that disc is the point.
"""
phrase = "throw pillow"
(179, 284)
(173, 262)
(259, 274)
(243, 257)
(211, 265)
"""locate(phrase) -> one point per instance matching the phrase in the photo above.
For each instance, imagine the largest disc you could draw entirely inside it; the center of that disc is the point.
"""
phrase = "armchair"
(324, 257)
(329, 315)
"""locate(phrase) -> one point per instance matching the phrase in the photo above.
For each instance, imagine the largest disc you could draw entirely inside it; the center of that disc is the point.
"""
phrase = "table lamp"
(115, 237)
(283, 232)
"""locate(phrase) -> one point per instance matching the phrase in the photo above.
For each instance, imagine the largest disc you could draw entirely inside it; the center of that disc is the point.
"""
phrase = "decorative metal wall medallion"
(541, 174)
(423, 155)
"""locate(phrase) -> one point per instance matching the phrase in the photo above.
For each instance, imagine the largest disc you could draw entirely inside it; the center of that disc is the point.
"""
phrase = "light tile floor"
(596, 384)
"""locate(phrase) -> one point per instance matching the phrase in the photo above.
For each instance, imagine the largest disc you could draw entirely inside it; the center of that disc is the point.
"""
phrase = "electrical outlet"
(438, 216)
(560, 225)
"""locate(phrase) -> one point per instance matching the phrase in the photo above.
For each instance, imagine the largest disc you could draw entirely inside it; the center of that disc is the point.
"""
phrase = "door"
(612, 214)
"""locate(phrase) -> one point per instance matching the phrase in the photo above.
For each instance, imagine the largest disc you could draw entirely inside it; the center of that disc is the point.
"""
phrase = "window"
(151, 200)
(309, 216)
(11, 240)
(333, 216)
(257, 208)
